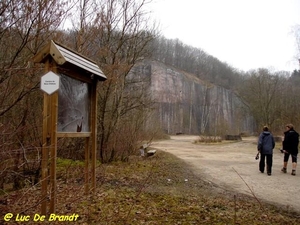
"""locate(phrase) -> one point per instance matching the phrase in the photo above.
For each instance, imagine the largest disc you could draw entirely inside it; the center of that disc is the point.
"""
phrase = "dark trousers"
(287, 156)
(268, 158)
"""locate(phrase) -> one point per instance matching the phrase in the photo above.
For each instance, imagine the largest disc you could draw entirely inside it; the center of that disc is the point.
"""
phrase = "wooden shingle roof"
(62, 55)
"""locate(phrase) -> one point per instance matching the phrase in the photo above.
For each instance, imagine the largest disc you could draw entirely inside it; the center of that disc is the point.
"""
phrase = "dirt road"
(232, 166)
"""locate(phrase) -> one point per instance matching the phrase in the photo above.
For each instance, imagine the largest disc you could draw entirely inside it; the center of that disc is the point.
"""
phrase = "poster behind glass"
(73, 105)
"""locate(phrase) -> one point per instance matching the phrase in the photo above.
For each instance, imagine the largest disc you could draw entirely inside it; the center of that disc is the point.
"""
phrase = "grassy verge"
(156, 190)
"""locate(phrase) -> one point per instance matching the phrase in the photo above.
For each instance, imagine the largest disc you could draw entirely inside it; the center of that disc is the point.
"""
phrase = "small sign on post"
(50, 83)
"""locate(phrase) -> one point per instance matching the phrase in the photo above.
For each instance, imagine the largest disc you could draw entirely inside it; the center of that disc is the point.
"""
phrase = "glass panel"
(73, 105)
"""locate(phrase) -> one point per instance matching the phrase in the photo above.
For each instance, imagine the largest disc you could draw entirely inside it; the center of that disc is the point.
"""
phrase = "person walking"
(290, 148)
(265, 147)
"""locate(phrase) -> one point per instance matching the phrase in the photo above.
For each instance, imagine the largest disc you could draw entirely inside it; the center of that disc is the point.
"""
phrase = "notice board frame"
(62, 60)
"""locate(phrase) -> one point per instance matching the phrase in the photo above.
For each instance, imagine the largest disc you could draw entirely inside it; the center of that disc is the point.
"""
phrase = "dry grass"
(208, 139)
(156, 190)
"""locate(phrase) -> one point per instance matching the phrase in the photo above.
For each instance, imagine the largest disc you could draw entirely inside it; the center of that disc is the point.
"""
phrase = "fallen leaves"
(157, 190)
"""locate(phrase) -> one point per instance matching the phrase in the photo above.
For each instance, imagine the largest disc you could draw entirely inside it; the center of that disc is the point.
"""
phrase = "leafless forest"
(116, 35)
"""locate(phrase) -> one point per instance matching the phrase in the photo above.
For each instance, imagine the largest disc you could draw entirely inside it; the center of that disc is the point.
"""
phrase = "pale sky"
(246, 34)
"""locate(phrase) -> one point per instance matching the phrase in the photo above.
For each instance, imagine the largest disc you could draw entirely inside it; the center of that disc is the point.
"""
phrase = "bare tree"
(24, 27)
(118, 34)
(263, 91)
(296, 33)
(127, 34)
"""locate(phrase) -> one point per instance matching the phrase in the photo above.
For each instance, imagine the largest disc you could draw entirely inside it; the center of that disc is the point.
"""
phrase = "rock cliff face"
(189, 105)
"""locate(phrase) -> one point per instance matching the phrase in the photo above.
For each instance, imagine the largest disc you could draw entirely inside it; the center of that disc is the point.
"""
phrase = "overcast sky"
(247, 34)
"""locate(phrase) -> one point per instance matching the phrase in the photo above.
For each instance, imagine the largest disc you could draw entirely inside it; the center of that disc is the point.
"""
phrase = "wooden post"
(46, 145)
(94, 131)
(45, 152)
(54, 106)
(87, 166)
(49, 144)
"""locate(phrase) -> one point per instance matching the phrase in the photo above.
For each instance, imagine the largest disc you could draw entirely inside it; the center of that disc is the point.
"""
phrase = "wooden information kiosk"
(70, 110)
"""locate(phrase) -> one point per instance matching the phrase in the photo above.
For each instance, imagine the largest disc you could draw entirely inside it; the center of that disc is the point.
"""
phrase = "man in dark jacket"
(265, 147)
(290, 147)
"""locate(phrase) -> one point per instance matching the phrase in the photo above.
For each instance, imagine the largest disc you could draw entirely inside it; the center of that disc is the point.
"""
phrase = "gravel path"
(232, 166)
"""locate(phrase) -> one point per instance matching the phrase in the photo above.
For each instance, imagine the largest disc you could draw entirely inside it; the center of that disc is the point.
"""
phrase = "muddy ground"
(232, 166)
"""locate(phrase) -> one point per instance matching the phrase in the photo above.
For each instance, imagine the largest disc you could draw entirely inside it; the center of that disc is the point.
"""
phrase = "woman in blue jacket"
(265, 147)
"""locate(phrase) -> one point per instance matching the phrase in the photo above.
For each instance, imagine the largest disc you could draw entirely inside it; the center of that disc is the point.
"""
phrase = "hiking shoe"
(283, 170)
(293, 172)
